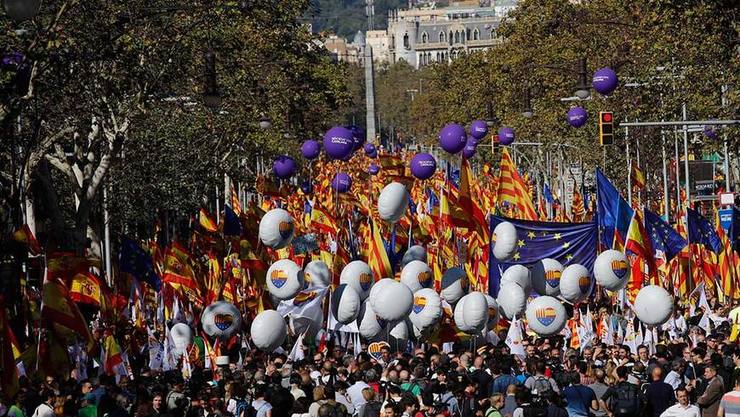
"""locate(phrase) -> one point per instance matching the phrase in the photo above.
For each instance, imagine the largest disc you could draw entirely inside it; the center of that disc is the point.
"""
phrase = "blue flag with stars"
(667, 242)
(701, 231)
(568, 243)
(135, 261)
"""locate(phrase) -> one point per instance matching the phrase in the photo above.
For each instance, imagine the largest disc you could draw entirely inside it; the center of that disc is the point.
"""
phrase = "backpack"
(627, 402)
(540, 390)
(244, 409)
(534, 410)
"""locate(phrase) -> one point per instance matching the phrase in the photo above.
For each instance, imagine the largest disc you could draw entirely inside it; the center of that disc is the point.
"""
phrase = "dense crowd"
(673, 379)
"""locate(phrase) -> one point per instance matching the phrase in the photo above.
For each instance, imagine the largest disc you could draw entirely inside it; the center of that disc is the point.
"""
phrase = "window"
(406, 40)
(493, 33)
(476, 34)
(467, 34)
(424, 37)
(441, 37)
(457, 37)
(451, 37)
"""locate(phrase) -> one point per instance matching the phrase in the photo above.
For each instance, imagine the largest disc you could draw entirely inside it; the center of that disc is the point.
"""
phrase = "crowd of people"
(673, 379)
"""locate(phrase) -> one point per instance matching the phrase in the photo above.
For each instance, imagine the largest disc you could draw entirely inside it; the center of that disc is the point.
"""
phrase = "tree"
(112, 81)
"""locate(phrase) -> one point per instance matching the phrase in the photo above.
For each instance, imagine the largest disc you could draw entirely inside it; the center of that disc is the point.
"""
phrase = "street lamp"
(20, 10)
(491, 119)
(211, 95)
(527, 112)
(582, 88)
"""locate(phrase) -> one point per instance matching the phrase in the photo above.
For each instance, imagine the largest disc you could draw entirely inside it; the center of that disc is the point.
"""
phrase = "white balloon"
(611, 270)
(504, 239)
(396, 303)
(345, 304)
(392, 202)
(518, 274)
(512, 300)
(546, 315)
(493, 312)
(368, 323)
(427, 308)
(374, 299)
(454, 284)
(471, 313)
(400, 332)
(653, 305)
(359, 276)
(276, 229)
(317, 275)
(417, 275)
(268, 330)
(414, 253)
(221, 319)
(575, 283)
(546, 275)
(182, 337)
(284, 279)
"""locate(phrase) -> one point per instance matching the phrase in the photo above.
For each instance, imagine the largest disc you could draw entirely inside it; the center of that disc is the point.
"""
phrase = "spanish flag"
(86, 289)
(206, 222)
(178, 271)
(323, 221)
(61, 314)
(640, 247)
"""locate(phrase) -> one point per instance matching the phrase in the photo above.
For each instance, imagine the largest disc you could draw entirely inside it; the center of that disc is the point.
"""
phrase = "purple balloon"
(283, 167)
(310, 149)
(423, 166)
(358, 136)
(373, 154)
(605, 81)
(338, 142)
(373, 169)
(469, 150)
(478, 129)
(452, 138)
(710, 132)
(341, 182)
(577, 116)
(506, 135)
(369, 148)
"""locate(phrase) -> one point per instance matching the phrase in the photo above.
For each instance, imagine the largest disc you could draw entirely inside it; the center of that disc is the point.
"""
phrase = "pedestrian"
(623, 399)
(497, 403)
(658, 394)
(683, 408)
(46, 408)
(580, 398)
(729, 406)
(709, 401)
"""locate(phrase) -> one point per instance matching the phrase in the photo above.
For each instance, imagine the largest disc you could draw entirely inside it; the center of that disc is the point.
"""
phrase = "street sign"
(725, 219)
(727, 199)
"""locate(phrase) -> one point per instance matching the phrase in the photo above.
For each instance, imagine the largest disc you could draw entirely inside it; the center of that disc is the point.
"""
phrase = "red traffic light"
(606, 117)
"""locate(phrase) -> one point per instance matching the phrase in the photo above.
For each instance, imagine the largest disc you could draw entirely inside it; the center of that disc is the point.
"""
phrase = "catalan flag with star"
(568, 243)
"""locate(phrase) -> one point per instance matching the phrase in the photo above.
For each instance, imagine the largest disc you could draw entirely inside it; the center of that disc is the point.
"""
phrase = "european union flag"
(232, 226)
(701, 231)
(568, 243)
(135, 261)
(613, 212)
(667, 242)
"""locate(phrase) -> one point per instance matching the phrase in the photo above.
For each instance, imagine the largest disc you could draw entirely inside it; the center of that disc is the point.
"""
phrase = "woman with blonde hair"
(319, 399)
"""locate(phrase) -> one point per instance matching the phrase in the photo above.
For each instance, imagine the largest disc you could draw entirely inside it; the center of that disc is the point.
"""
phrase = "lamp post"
(527, 112)
(582, 87)
(211, 95)
(20, 10)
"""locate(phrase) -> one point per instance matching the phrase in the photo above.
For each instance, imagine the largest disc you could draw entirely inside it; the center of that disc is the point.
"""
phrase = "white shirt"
(355, 393)
(44, 410)
(677, 410)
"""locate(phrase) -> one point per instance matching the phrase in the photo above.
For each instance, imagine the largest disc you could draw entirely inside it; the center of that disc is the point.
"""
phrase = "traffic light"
(606, 128)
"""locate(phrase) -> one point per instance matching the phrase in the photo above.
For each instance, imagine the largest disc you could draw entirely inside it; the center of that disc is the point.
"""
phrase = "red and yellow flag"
(513, 189)
(86, 289)
(377, 256)
(322, 220)
(9, 353)
(25, 236)
(113, 358)
(178, 271)
(640, 248)
(61, 314)
(728, 260)
(206, 222)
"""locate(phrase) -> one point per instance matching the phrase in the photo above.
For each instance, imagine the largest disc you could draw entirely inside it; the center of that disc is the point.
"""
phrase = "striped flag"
(235, 205)
(728, 259)
(377, 257)
(206, 222)
(640, 251)
(513, 189)
(86, 289)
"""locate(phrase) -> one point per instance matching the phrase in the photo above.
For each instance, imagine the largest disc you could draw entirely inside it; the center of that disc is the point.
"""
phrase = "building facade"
(426, 34)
